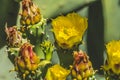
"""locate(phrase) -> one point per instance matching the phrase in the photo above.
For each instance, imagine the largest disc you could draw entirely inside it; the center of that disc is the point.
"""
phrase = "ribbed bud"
(27, 60)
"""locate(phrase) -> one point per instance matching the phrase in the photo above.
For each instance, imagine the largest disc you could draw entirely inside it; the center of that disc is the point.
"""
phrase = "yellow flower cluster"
(113, 61)
(57, 72)
(69, 29)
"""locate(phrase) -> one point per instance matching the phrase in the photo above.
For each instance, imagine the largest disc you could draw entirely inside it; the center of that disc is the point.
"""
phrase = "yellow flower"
(69, 29)
(113, 51)
(57, 72)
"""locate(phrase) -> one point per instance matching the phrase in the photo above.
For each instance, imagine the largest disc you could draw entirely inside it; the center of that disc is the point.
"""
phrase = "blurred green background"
(103, 26)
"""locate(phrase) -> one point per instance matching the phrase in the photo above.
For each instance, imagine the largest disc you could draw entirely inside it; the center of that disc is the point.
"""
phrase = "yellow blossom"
(57, 72)
(69, 29)
(113, 56)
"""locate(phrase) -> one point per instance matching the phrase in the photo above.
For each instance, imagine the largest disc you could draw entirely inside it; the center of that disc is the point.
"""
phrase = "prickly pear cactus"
(46, 39)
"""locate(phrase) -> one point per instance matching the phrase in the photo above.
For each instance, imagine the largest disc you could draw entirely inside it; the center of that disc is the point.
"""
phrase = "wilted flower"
(14, 37)
(56, 72)
(112, 65)
(82, 67)
(27, 61)
(30, 13)
(69, 29)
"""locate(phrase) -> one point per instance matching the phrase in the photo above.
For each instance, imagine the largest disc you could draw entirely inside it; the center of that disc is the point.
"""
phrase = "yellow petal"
(113, 51)
(57, 72)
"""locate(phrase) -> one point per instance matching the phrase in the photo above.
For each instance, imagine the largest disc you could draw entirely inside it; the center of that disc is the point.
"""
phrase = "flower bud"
(27, 59)
(47, 48)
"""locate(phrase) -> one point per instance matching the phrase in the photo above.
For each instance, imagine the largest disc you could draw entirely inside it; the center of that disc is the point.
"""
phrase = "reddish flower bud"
(27, 59)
